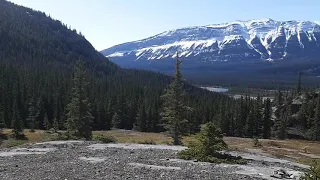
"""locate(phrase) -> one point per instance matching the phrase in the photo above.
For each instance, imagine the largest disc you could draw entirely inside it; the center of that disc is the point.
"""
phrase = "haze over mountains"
(242, 46)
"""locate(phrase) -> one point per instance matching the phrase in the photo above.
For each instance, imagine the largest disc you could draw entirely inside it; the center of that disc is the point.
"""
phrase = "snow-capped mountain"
(250, 45)
(239, 40)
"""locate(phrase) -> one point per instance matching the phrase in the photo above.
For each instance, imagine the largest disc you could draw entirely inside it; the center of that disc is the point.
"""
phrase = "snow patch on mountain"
(214, 38)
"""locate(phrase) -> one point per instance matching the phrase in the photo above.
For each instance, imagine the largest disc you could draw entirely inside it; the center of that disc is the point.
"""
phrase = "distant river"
(216, 89)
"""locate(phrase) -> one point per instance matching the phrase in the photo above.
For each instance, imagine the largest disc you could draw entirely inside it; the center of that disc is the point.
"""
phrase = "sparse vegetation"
(174, 107)
(104, 138)
(256, 142)
(207, 147)
(147, 142)
(79, 117)
(314, 172)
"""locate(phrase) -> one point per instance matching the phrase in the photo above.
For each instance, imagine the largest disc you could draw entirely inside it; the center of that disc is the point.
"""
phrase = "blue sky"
(109, 22)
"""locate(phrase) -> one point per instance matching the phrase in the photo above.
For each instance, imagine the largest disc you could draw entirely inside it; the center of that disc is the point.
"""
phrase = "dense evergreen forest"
(37, 61)
(37, 71)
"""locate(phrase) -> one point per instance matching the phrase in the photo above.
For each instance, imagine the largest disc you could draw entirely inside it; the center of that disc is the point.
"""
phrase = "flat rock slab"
(136, 146)
(26, 151)
(89, 161)
(60, 142)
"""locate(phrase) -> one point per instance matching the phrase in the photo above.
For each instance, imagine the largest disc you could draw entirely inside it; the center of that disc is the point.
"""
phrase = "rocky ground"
(87, 160)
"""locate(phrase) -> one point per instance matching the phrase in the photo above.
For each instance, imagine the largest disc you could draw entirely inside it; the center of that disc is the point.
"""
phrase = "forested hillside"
(37, 65)
(37, 58)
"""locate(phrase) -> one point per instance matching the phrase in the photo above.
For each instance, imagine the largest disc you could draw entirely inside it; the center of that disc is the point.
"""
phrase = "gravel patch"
(92, 159)
(89, 161)
(154, 167)
(136, 146)
(60, 142)
(25, 151)
(263, 158)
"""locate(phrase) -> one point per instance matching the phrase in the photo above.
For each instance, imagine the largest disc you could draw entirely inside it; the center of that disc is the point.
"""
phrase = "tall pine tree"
(314, 131)
(79, 117)
(142, 118)
(17, 124)
(2, 122)
(174, 107)
(46, 122)
(267, 119)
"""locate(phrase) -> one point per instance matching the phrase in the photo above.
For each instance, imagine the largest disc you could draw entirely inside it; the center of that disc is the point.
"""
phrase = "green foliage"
(116, 121)
(174, 107)
(17, 126)
(298, 89)
(142, 119)
(314, 131)
(152, 142)
(38, 55)
(79, 116)
(46, 122)
(104, 138)
(207, 147)
(279, 128)
(314, 172)
(31, 119)
(267, 122)
(256, 142)
(2, 123)
(55, 125)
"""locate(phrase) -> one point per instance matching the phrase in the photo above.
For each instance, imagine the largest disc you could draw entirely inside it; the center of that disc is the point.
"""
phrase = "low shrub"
(256, 142)
(314, 172)
(148, 142)
(104, 138)
(208, 147)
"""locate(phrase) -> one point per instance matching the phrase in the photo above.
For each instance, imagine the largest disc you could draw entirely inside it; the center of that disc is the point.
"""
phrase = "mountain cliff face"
(266, 42)
(240, 40)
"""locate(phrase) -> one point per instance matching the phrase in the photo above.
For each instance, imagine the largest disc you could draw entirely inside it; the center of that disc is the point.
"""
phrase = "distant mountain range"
(253, 46)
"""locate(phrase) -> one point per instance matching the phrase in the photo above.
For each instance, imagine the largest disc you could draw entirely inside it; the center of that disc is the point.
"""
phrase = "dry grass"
(127, 136)
(31, 137)
(297, 150)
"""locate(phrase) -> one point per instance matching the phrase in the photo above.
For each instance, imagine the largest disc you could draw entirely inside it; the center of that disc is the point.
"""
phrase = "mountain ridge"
(259, 35)
(253, 47)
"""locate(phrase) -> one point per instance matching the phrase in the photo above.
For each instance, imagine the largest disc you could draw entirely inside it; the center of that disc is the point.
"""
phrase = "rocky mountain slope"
(239, 40)
(265, 42)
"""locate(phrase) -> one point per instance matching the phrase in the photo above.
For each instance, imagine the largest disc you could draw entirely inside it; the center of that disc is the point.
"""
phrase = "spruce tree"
(116, 121)
(314, 131)
(2, 122)
(279, 99)
(174, 107)
(31, 119)
(211, 139)
(79, 117)
(142, 118)
(280, 126)
(303, 115)
(46, 122)
(109, 114)
(298, 89)
(241, 119)
(55, 125)
(249, 128)
(17, 124)
(267, 119)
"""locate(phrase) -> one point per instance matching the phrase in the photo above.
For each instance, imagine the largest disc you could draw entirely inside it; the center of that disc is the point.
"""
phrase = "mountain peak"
(235, 41)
